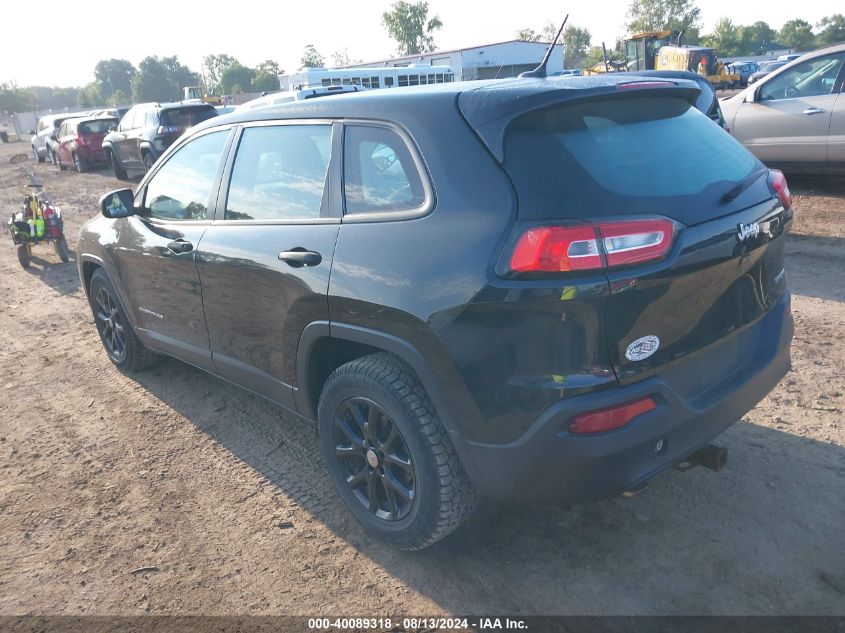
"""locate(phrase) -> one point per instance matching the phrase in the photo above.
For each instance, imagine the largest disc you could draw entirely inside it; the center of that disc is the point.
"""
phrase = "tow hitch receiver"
(711, 456)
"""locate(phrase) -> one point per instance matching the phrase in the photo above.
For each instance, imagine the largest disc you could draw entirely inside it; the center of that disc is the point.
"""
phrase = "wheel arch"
(324, 346)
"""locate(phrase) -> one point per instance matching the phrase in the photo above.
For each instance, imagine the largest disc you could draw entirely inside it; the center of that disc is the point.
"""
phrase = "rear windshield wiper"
(744, 184)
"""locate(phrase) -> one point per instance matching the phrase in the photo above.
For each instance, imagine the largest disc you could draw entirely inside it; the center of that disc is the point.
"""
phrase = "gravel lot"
(226, 499)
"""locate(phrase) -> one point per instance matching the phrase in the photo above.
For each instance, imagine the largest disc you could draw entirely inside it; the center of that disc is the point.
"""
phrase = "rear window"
(100, 126)
(638, 155)
(186, 117)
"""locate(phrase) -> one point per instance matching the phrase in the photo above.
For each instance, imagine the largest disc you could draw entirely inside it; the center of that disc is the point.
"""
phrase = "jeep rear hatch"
(687, 226)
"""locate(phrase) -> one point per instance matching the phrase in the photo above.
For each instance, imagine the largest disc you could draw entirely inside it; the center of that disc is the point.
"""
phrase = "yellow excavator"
(199, 92)
(654, 50)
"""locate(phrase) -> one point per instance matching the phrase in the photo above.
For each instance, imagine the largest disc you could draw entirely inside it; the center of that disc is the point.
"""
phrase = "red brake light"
(777, 181)
(557, 248)
(592, 246)
(612, 418)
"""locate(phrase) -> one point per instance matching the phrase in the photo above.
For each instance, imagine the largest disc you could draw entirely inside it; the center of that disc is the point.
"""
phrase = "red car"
(80, 142)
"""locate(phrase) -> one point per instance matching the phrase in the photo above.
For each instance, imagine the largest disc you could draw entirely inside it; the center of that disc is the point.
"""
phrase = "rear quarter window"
(636, 155)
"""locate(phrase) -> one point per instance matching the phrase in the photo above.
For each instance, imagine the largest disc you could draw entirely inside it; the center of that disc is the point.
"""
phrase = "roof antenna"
(540, 71)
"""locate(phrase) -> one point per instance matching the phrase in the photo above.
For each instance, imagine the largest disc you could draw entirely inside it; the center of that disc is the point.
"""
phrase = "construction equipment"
(200, 93)
(697, 59)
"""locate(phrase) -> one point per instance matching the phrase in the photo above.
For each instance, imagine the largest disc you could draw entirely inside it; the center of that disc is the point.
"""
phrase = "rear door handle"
(813, 110)
(299, 257)
(180, 246)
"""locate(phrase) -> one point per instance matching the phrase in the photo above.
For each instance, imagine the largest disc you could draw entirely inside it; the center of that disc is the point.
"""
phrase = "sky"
(66, 51)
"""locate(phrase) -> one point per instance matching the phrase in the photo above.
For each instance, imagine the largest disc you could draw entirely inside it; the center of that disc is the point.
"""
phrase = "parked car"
(789, 57)
(545, 289)
(764, 70)
(47, 127)
(744, 70)
(117, 112)
(79, 142)
(147, 130)
(794, 118)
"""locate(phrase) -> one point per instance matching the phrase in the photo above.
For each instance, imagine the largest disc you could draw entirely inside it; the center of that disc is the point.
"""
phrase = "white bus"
(382, 77)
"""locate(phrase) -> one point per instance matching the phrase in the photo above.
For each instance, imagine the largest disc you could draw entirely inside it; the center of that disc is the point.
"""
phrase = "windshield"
(622, 156)
(770, 66)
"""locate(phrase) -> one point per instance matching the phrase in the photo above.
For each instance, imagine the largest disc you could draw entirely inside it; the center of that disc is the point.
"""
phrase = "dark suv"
(540, 289)
(147, 130)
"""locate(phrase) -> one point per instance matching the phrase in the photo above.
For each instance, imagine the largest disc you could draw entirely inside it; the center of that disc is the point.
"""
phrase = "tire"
(23, 255)
(55, 160)
(149, 161)
(122, 345)
(119, 171)
(79, 163)
(62, 250)
(36, 155)
(406, 439)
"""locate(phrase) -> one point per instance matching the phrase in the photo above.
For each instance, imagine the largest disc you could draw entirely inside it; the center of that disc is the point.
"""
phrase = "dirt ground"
(225, 496)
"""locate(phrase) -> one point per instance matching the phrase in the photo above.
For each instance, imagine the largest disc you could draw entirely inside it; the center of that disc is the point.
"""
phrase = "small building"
(502, 59)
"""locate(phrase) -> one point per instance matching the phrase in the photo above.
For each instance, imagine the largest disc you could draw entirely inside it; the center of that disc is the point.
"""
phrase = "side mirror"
(113, 128)
(118, 204)
(54, 137)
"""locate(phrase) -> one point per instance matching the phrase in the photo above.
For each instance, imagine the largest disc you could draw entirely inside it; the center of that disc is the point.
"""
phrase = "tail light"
(777, 182)
(592, 246)
(612, 418)
(81, 139)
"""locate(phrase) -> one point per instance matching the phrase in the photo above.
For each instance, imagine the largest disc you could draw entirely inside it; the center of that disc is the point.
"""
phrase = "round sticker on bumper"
(642, 348)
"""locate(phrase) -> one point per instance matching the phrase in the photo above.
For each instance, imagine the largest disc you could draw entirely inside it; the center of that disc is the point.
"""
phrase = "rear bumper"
(550, 465)
(91, 154)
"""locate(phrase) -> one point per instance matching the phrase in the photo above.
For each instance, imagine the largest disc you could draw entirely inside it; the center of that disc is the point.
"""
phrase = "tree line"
(119, 82)
(729, 39)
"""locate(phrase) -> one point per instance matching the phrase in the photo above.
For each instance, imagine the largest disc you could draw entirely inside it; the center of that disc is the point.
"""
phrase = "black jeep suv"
(545, 289)
(147, 130)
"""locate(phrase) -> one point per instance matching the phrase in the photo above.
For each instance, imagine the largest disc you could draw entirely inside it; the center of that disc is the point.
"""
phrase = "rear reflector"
(777, 181)
(592, 246)
(609, 419)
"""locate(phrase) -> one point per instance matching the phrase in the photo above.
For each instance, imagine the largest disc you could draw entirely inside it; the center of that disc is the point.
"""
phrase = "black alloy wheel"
(373, 455)
(110, 324)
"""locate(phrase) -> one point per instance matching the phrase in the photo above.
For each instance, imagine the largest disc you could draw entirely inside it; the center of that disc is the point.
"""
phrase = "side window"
(379, 171)
(182, 189)
(810, 79)
(279, 173)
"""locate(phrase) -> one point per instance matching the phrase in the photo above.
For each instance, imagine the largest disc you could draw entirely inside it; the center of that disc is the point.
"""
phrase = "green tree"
(725, 38)
(832, 30)
(179, 75)
(118, 98)
(90, 96)
(265, 82)
(14, 99)
(161, 79)
(51, 98)
(341, 58)
(213, 67)
(408, 23)
(270, 67)
(757, 38)
(528, 35)
(113, 75)
(576, 41)
(797, 34)
(658, 15)
(311, 58)
(236, 78)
